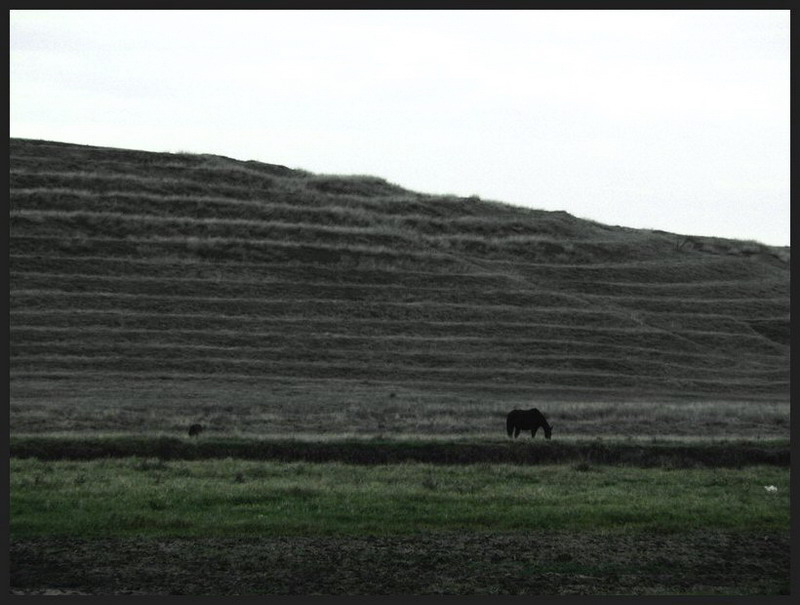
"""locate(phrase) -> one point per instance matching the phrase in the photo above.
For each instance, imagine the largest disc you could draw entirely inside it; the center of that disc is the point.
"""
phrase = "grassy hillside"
(151, 288)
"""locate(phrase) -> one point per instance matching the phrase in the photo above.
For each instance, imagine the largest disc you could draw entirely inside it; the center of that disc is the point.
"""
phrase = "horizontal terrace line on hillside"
(521, 304)
(23, 179)
(490, 284)
(739, 283)
(540, 300)
(336, 354)
(185, 241)
(290, 188)
(103, 162)
(302, 318)
(560, 268)
(313, 334)
(143, 376)
(676, 299)
(534, 311)
(397, 230)
(110, 197)
(300, 190)
(488, 372)
(266, 281)
(205, 164)
(267, 272)
(674, 342)
(680, 264)
(56, 151)
(39, 292)
(641, 328)
(319, 318)
(304, 347)
(269, 280)
(141, 177)
(377, 213)
(183, 220)
(742, 331)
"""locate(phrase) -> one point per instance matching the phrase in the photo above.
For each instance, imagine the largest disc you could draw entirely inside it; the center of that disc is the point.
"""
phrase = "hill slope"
(145, 269)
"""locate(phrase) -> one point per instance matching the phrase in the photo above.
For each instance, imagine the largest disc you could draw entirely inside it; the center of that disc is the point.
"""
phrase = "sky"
(654, 119)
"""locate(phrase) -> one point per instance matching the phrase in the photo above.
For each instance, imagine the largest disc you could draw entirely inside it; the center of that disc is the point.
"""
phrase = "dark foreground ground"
(543, 563)
(727, 453)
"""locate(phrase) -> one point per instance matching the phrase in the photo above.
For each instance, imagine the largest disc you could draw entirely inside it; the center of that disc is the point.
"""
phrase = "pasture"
(293, 490)
(219, 498)
(332, 528)
(341, 488)
(321, 409)
(351, 349)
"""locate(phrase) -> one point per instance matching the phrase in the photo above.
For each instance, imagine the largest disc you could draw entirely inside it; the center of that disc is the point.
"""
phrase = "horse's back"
(534, 415)
(524, 419)
(515, 417)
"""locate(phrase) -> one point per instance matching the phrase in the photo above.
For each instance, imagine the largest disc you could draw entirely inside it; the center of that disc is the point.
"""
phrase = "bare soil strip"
(543, 563)
(727, 454)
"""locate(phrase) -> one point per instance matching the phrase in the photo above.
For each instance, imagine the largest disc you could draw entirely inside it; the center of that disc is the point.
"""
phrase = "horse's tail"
(509, 425)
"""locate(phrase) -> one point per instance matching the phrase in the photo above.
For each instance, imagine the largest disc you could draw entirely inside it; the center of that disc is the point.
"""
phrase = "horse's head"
(548, 430)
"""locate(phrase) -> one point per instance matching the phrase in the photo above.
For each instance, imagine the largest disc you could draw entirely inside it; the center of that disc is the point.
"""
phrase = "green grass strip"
(150, 497)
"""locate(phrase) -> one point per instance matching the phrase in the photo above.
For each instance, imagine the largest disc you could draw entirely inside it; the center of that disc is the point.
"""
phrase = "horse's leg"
(533, 431)
(516, 432)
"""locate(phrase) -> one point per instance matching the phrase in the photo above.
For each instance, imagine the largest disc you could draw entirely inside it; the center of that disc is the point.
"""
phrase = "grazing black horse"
(523, 420)
(195, 430)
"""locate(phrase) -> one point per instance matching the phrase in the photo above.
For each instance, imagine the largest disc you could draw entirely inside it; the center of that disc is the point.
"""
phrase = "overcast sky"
(672, 120)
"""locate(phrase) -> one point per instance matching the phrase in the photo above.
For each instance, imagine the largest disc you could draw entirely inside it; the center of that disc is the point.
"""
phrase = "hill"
(146, 286)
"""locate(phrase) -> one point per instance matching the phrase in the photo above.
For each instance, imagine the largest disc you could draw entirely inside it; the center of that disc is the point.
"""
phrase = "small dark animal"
(523, 420)
(195, 430)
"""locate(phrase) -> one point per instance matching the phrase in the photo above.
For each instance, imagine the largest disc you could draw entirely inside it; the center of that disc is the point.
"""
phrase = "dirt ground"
(542, 563)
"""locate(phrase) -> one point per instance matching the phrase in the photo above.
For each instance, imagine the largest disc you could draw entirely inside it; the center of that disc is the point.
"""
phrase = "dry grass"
(186, 273)
(336, 409)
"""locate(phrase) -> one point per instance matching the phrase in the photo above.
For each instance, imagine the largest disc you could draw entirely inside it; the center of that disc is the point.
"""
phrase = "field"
(352, 349)
(318, 408)
(225, 527)
(235, 512)
(705, 562)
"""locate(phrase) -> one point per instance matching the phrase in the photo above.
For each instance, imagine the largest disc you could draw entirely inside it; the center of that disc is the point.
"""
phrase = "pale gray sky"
(673, 120)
